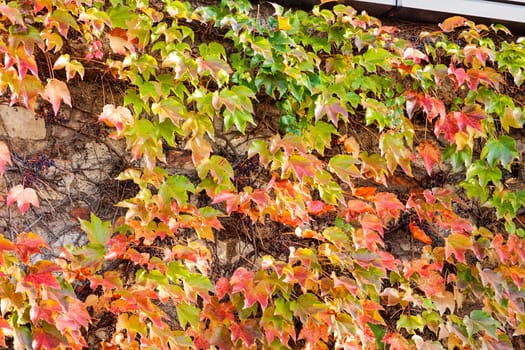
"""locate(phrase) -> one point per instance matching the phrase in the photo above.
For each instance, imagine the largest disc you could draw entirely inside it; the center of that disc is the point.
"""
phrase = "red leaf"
(447, 125)
(231, 199)
(28, 243)
(470, 116)
(44, 340)
(55, 92)
(23, 197)
(5, 157)
(222, 287)
(116, 117)
(452, 23)
(387, 206)
(318, 207)
(246, 330)
(430, 153)
(41, 274)
(419, 234)
(75, 318)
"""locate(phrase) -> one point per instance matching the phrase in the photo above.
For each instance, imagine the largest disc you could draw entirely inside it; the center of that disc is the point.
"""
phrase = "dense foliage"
(329, 73)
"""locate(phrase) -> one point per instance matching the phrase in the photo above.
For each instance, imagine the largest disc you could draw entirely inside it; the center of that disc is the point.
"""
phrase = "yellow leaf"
(284, 23)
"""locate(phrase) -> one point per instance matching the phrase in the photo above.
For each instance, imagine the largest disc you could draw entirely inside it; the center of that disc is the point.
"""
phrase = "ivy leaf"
(430, 153)
(451, 23)
(12, 13)
(388, 206)
(513, 117)
(320, 135)
(177, 187)
(46, 339)
(414, 54)
(344, 166)
(188, 314)
(119, 117)
(411, 323)
(501, 150)
(5, 157)
(72, 67)
(55, 92)
(456, 244)
(479, 320)
(23, 197)
(29, 243)
(393, 148)
(41, 274)
(419, 234)
(484, 173)
(98, 231)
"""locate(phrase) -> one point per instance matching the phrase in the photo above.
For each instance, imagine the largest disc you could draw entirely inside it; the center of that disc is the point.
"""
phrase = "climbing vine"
(192, 77)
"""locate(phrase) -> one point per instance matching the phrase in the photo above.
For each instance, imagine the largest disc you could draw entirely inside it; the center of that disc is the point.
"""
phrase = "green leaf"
(320, 135)
(481, 321)
(345, 167)
(176, 187)
(119, 15)
(98, 231)
(411, 323)
(501, 150)
(484, 173)
(188, 314)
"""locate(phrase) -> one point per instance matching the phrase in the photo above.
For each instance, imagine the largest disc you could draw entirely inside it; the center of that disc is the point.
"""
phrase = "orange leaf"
(364, 192)
(419, 234)
(54, 92)
(452, 23)
(430, 153)
(23, 197)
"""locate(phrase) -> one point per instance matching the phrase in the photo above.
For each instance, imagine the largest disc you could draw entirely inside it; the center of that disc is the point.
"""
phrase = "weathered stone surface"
(20, 123)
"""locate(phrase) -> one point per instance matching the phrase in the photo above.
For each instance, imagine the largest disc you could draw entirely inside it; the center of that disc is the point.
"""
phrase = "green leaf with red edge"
(457, 244)
(188, 314)
(396, 153)
(5, 157)
(23, 197)
(55, 92)
(430, 153)
(42, 274)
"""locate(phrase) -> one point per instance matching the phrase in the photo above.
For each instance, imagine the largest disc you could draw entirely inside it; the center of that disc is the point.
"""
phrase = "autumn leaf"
(41, 274)
(414, 54)
(430, 153)
(27, 244)
(12, 13)
(456, 244)
(451, 23)
(119, 117)
(55, 92)
(5, 157)
(419, 234)
(388, 206)
(23, 197)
